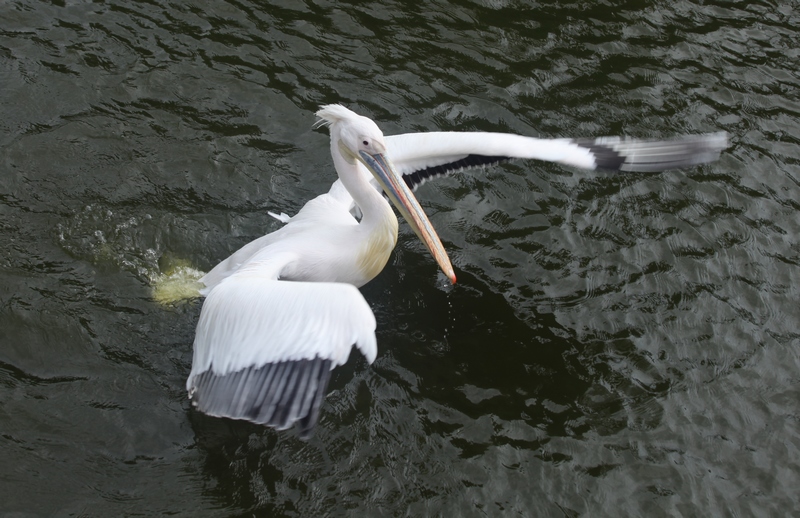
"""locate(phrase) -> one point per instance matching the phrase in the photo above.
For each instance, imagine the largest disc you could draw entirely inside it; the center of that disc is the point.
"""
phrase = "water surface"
(616, 345)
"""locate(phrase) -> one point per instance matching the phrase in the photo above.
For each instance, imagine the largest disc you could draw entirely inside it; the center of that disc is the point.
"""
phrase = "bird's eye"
(366, 143)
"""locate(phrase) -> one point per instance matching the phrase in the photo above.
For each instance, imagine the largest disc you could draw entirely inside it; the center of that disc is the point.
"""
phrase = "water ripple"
(615, 345)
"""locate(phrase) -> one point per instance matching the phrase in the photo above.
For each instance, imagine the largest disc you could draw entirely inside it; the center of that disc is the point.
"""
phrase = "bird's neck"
(376, 211)
(378, 222)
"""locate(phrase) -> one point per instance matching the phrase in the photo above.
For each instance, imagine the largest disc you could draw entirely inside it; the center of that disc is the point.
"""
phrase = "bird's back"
(311, 235)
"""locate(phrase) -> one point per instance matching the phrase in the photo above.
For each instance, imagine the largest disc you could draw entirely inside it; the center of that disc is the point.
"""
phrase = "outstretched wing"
(264, 348)
(421, 156)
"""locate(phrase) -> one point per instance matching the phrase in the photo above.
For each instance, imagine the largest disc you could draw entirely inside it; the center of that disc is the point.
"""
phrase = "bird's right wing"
(421, 156)
(264, 348)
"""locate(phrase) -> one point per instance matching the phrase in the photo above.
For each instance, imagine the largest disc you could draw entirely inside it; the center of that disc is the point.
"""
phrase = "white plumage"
(265, 346)
(284, 310)
(418, 156)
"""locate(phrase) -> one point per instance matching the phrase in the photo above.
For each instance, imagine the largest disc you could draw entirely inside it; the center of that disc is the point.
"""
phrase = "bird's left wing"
(421, 156)
(264, 348)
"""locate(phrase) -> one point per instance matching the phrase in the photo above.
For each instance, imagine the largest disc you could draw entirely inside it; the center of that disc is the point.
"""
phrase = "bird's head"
(358, 138)
(351, 132)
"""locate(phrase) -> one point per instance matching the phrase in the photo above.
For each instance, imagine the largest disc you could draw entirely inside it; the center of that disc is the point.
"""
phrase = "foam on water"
(180, 283)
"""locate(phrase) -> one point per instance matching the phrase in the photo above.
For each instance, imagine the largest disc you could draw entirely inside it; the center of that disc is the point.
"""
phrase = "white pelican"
(264, 347)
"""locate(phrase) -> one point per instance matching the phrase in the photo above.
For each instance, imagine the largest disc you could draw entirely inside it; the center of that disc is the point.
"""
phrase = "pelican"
(284, 310)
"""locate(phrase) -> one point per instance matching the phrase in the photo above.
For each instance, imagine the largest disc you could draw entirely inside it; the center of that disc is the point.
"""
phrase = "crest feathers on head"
(331, 113)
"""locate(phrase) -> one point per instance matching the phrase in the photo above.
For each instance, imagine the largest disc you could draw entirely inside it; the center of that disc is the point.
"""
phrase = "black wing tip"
(605, 156)
(277, 395)
(652, 156)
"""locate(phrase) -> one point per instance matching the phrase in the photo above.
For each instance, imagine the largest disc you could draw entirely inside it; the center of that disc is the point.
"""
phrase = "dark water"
(616, 345)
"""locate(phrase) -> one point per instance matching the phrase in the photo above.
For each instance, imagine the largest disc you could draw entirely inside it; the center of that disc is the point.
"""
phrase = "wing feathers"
(620, 154)
(264, 348)
(420, 156)
(276, 394)
(416, 178)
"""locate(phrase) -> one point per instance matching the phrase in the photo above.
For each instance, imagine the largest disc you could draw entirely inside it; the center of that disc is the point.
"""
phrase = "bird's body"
(314, 238)
(284, 310)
